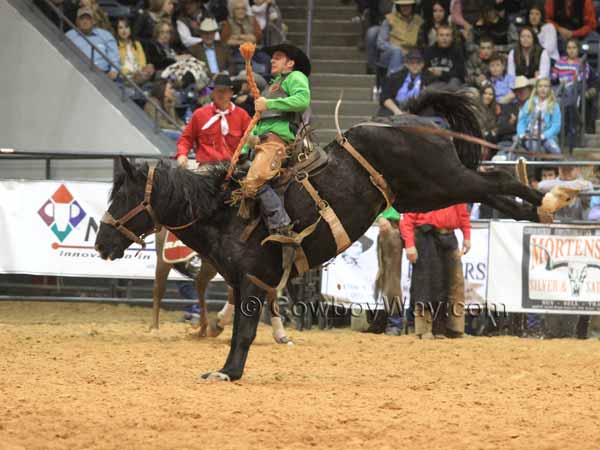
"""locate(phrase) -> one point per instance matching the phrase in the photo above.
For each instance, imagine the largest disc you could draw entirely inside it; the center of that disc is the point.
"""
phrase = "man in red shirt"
(215, 129)
(572, 18)
(437, 283)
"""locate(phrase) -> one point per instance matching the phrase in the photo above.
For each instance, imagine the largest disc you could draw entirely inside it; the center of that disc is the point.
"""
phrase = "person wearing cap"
(100, 38)
(214, 130)
(215, 54)
(189, 21)
(281, 106)
(403, 85)
(398, 34)
(509, 113)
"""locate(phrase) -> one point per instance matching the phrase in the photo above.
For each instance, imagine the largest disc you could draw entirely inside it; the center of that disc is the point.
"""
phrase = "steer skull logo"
(577, 269)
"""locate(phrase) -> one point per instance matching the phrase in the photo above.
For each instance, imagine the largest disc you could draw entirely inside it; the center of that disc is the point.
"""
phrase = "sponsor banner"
(49, 228)
(350, 277)
(559, 268)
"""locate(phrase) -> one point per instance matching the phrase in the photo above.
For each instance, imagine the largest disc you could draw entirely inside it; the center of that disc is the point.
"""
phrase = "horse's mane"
(462, 114)
(195, 191)
(187, 193)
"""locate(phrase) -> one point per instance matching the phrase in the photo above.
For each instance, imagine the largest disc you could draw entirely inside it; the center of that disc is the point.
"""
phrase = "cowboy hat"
(222, 80)
(521, 82)
(404, 2)
(302, 63)
(209, 25)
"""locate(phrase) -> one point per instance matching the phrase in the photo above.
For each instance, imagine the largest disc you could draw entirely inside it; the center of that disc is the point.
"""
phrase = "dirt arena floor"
(85, 376)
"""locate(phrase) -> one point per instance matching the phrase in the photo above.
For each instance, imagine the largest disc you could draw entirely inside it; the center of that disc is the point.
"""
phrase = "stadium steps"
(338, 65)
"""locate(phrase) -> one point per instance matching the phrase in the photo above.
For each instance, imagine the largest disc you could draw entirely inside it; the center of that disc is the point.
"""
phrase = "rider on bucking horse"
(281, 104)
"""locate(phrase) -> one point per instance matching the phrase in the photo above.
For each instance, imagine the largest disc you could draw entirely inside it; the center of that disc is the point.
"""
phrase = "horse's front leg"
(248, 302)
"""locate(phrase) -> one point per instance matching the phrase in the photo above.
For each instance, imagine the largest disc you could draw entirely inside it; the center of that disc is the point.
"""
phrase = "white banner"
(350, 277)
(541, 268)
(49, 228)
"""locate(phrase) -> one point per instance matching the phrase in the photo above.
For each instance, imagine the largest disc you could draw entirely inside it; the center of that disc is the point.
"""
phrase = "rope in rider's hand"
(247, 51)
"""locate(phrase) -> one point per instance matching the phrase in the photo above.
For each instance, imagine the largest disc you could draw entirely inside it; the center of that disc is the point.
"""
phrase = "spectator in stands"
(133, 58)
(491, 24)
(189, 20)
(100, 38)
(398, 34)
(437, 276)
(445, 63)
(569, 71)
(243, 97)
(240, 27)
(377, 14)
(501, 80)
(435, 15)
(572, 18)
(215, 54)
(528, 58)
(268, 16)
(163, 94)
(464, 14)
(146, 22)
(478, 65)
(491, 112)
(403, 85)
(67, 7)
(159, 50)
(546, 33)
(100, 17)
(509, 113)
(539, 120)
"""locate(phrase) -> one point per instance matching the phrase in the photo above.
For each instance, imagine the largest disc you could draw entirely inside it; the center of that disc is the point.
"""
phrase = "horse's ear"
(126, 165)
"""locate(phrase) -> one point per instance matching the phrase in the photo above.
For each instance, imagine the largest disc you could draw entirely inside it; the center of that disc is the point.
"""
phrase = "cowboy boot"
(288, 250)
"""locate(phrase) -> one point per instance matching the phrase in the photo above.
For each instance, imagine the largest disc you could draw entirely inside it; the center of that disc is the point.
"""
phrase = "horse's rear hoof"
(215, 376)
(215, 328)
(284, 341)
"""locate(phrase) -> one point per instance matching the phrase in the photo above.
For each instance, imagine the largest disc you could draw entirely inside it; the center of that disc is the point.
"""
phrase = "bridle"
(144, 205)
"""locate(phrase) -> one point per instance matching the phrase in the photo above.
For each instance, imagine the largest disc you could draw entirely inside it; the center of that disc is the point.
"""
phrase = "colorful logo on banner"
(61, 213)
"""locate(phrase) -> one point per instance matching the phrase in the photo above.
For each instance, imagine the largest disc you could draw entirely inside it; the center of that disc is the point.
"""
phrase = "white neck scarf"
(220, 115)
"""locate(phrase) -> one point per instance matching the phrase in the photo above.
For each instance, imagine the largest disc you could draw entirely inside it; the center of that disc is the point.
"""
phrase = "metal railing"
(94, 49)
(309, 20)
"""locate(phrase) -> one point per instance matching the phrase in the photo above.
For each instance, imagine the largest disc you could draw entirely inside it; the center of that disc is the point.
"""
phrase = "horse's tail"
(460, 111)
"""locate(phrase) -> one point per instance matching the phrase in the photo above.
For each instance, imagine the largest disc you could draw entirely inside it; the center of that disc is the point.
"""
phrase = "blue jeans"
(546, 145)
(271, 207)
(371, 46)
(392, 58)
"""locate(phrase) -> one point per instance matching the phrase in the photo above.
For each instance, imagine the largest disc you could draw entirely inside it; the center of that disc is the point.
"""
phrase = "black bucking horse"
(424, 171)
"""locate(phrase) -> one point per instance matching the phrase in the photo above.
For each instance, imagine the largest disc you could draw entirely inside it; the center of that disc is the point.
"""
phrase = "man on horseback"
(281, 104)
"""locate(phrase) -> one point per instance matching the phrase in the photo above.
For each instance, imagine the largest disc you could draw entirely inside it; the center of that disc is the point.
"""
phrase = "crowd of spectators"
(490, 45)
(173, 49)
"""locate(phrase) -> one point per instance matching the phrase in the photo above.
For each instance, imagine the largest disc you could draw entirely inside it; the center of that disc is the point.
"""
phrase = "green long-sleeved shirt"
(297, 87)
(390, 214)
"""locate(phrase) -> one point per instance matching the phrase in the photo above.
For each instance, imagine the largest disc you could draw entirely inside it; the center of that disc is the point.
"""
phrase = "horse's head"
(130, 215)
